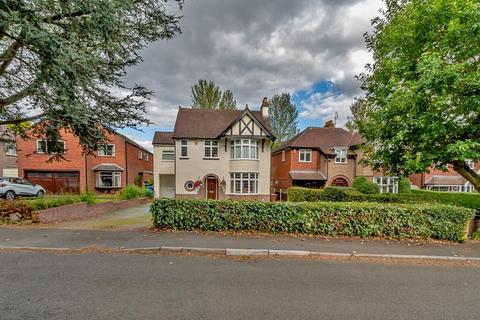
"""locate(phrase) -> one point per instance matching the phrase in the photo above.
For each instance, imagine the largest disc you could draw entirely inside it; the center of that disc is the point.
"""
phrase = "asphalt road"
(94, 286)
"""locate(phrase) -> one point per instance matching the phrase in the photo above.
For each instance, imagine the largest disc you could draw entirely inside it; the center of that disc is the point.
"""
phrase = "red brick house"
(449, 180)
(322, 157)
(118, 163)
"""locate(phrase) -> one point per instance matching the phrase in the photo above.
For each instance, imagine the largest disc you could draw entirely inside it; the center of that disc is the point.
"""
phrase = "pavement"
(113, 286)
(14, 237)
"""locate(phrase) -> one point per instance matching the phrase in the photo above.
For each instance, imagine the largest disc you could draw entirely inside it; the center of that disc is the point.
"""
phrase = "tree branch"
(7, 56)
(21, 120)
(464, 170)
(17, 96)
(68, 15)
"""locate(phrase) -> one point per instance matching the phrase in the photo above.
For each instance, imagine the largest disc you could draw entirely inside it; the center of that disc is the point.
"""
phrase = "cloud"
(259, 48)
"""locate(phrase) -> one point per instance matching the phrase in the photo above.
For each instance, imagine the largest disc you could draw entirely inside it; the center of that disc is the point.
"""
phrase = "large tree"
(358, 109)
(423, 89)
(207, 95)
(62, 62)
(283, 116)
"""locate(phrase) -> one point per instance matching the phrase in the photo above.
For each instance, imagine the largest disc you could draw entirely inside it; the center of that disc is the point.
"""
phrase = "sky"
(257, 48)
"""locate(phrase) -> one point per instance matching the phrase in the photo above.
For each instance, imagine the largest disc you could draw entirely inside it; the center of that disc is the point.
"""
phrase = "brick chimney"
(264, 107)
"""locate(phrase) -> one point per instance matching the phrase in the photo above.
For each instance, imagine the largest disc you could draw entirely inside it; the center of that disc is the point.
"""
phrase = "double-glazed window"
(10, 149)
(387, 184)
(109, 179)
(340, 155)
(140, 154)
(211, 149)
(168, 155)
(42, 147)
(244, 182)
(106, 150)
(305, 155)
(183, 148)
(244, 149)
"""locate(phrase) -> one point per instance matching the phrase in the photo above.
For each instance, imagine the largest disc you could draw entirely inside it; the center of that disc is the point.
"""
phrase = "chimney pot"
(264, 107)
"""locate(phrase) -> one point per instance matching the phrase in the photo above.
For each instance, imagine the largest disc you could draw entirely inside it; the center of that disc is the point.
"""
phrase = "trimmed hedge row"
(467, 200)
(320, 218)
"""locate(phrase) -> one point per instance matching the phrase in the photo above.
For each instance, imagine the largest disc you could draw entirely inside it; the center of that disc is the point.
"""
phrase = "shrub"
(52, 202)
(319, 218)
(404, 185)
(132, 191)
(364, 186)
(88, 197)
(299, 194)
(17, 206)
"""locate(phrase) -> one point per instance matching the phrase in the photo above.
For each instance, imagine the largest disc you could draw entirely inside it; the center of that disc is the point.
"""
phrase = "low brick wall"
(82, 210)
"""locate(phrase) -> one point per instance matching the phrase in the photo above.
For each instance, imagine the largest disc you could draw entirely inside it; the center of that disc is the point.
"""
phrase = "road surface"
(130, 286)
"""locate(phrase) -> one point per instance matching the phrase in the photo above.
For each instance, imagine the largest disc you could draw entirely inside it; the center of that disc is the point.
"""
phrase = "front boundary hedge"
(320, 218)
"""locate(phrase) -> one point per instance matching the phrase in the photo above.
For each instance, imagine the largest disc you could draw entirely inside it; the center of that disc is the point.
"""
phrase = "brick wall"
(135, 165)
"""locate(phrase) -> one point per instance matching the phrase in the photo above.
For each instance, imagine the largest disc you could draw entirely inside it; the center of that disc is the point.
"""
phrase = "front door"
(212, 185)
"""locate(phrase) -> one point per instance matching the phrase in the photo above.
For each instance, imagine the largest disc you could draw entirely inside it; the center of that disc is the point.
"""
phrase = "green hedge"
(364, 186)
(320, 218)
(467, 200)
(132, 191)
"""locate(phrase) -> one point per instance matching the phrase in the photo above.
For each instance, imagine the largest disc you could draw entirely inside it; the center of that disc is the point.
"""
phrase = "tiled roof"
(210, 124)
(109, 167)
(124, 137)
(307, 175)
(325, 139)
(163, 137)
(439, 180)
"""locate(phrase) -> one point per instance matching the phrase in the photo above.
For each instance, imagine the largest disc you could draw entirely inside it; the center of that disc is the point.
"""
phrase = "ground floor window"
(387, 184)
(455, 188)
(244, 182)
(109, 179)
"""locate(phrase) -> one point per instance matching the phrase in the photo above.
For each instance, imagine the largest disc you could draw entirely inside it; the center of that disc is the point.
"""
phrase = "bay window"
(246, 149)
(387, 184)
(244, 182)
(108, 179)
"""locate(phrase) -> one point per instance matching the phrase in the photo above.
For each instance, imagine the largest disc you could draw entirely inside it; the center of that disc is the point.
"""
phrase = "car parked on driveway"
(10, 188)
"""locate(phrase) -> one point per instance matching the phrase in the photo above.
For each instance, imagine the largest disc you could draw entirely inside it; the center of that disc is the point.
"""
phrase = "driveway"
(127, 219)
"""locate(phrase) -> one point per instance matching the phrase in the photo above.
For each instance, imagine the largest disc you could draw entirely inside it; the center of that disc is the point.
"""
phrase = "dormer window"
(340, 155)
(305, 155)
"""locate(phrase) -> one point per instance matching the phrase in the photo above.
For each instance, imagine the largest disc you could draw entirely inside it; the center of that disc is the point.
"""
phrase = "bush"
(52, 202)
(404, 185)
(17, 206)
(364, 186)
(132, 191)
(88, 197)
(299, 194)
(320, 218)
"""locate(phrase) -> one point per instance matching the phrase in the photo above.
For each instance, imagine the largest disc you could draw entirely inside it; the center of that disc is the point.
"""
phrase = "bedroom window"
(244, 149)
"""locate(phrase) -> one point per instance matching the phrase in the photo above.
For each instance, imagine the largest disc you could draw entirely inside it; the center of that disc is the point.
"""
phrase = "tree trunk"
(464, 170)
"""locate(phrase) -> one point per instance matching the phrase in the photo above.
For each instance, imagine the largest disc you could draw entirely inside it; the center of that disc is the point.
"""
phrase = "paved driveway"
(127, 219)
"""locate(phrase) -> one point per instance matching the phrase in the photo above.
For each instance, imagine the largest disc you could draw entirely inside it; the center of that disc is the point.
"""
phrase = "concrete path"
(127, 219)
(61, 238)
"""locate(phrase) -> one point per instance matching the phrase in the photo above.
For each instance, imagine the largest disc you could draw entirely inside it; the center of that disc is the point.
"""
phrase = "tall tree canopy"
(358, 109)
(207, 95)
(423, 88)
(61, 63)
(283, 116)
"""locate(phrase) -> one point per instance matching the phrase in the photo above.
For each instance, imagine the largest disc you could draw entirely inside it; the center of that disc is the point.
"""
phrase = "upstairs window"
(470, 164)
(145, 156)
(106, 150)
(168, 155)
(43, 148)
(10, 149)
(140, 154)
(211, 149)
(184, 149)
(283, 155)
(305, 155)
(245, 149)
(340, 155)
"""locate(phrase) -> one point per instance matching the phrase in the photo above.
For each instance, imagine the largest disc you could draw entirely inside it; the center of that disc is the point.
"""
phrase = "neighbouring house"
(444, 180)
(118, 163)
(8, 153)
(321, 157)
(215, 154)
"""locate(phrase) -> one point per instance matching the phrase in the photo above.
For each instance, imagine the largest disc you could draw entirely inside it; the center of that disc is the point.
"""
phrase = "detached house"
(322, 157)
(119, 162)
(447, 181)
(215, 154)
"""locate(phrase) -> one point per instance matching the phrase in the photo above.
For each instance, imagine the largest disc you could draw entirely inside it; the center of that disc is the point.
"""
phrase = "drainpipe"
(126, 164)
(86, 173)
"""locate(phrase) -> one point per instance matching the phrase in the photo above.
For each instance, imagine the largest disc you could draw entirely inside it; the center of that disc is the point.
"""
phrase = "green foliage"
(359, 110)
(404, 185)
(52, 202)
(207, 95)
(63, 62)
(475, 235)
(88, 197)
(283, 116)
(364, 186)
(423, 87)
(321, 218)
(15, 207)
(466, 200)
(132, 191)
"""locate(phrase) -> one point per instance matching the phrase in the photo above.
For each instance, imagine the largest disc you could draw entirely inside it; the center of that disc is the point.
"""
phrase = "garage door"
(56, 181)
(167, 186)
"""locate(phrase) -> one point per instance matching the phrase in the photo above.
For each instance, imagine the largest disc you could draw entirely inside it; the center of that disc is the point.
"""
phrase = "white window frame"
(101, 150)
(168, 152)
(341, 155)
(140, 154)
(305, 153)
(470, 164)
(184, 147)
(209, 147)
(146, 156)
(283, 156)
(238, 179)
(116, 179)
(387, 184)
(10, 149)
(244, 149)
(46, 146)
